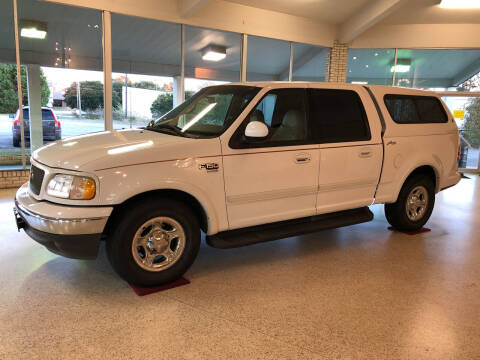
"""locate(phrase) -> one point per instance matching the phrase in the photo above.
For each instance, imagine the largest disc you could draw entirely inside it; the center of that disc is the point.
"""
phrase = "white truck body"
(238, 188)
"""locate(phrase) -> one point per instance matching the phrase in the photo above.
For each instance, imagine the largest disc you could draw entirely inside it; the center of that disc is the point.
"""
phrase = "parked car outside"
(50, 125)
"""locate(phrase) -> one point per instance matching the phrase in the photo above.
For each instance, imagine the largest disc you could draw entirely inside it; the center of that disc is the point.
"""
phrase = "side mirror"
(256, 130)
(11, 116)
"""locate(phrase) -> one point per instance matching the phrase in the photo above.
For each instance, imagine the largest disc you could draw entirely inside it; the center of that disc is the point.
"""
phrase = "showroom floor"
(361, 292)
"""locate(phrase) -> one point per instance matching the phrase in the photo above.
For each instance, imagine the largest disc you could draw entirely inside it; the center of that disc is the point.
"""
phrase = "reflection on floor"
(361, 292)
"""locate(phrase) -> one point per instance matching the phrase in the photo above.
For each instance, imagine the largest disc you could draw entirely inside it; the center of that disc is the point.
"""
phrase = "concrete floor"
(361, 292)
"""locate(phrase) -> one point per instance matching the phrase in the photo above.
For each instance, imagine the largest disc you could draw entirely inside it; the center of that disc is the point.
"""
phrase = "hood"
(111, 149)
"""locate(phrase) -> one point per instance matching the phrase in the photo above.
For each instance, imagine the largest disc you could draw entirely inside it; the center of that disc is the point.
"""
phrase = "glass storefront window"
(146, 58)
(309, 62)
(267, 59)
(212, 57)
(437, 69)
(10, 150)
(64, 77)
(370, 66)
(466, 112)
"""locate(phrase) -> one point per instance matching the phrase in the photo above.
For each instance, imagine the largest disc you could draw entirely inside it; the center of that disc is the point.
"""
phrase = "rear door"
(351, 147)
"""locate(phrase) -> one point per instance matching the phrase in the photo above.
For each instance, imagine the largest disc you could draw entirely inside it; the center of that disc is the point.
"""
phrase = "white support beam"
(107, 71)
(190, 7)
(368, 16)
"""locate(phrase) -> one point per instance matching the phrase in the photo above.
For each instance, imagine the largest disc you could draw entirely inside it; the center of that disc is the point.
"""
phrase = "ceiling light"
(402, 66)
(376, 54)
(354, 58)
(33, 29)
(360, 82)
(214, 53)
(366, 66)
(460, 4)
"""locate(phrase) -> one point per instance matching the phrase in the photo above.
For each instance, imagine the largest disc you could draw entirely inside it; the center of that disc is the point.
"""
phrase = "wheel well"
(427, 171)
(184, 197)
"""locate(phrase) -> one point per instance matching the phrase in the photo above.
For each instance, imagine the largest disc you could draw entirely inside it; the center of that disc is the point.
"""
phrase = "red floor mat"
(142, 291)
(422, 230)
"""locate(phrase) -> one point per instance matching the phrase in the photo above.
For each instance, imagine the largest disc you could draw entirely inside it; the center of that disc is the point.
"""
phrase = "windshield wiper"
(175, 129)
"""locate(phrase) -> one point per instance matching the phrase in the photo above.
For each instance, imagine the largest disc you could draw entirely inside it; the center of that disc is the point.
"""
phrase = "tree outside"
(472, 113)
(8, 88)
(91, 95)
(472, 123)
(164, 103)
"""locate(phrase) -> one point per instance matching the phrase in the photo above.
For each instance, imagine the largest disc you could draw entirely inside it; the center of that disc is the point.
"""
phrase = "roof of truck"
(382, 88)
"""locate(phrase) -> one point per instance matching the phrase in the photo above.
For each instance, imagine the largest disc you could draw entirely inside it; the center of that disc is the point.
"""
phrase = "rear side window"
(46, 114)
(338, 116)
(407, 109)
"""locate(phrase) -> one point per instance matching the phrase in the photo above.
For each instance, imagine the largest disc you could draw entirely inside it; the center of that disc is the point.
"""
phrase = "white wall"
(139, 101)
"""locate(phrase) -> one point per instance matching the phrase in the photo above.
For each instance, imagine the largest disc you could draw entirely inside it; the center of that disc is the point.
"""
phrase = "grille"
(36, 179)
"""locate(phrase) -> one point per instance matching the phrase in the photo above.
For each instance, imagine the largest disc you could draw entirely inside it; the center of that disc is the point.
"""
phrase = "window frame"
(237, 140)
(414, 98)
(362, 111)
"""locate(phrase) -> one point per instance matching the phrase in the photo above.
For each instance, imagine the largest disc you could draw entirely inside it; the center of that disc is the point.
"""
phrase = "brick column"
(13, 178)
(336, 66)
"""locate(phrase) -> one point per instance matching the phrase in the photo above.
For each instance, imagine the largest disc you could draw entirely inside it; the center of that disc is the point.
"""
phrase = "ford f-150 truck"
(243, 163)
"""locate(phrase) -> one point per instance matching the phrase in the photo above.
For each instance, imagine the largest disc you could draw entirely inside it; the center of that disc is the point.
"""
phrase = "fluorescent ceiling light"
(460, 4)
(214, 53)
(402, 66)
(360, 82)
(33, 29)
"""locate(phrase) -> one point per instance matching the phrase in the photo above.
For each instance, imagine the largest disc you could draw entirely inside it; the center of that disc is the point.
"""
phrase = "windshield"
(208, 113)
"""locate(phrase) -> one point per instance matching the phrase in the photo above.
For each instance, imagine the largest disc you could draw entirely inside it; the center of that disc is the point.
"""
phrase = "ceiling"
(326, 11)
(339, 11)
(428, 12)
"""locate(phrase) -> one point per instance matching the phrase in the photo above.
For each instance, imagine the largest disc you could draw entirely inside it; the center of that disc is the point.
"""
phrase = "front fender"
(121, 184)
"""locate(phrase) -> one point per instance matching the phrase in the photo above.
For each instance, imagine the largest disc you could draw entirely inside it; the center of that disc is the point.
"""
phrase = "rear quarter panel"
(409, 146)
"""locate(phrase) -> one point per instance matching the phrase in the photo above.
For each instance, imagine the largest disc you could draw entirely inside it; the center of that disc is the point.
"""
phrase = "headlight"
(71, 187)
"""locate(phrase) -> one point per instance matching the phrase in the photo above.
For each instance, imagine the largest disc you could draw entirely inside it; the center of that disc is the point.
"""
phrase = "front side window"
(284, 113)
(208, 113)
(408, 109)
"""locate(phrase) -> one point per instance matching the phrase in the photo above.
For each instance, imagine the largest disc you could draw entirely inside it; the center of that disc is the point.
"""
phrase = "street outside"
(71, 126)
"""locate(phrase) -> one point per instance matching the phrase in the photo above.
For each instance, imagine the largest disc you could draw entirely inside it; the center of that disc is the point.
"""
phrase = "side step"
(284, 229)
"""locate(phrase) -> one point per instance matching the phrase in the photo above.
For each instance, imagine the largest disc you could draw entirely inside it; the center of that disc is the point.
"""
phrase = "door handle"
(302, 158)
(365, 154)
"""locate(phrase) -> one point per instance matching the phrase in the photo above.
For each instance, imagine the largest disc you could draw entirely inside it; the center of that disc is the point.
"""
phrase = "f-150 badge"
(210, 167)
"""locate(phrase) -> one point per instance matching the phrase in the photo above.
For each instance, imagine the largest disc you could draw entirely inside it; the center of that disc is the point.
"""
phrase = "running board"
(284, 229)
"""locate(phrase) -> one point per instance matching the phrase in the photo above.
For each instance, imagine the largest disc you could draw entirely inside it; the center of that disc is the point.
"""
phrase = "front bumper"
(71, 231)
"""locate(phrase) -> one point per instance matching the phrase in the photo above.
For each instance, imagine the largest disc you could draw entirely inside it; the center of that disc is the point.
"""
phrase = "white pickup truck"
(243, 163)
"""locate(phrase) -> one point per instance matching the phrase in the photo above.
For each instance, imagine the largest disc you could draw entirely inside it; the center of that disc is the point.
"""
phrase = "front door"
(276, 179)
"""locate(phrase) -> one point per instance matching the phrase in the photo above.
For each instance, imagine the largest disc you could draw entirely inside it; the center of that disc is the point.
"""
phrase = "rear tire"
(414, 204)
(154, 242)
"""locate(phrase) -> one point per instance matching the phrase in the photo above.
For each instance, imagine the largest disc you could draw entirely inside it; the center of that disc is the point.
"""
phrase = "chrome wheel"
(417, 203)
(158, 244)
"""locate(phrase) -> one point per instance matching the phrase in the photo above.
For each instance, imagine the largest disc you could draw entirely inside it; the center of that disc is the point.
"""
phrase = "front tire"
(414, 204)
(154, 242)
